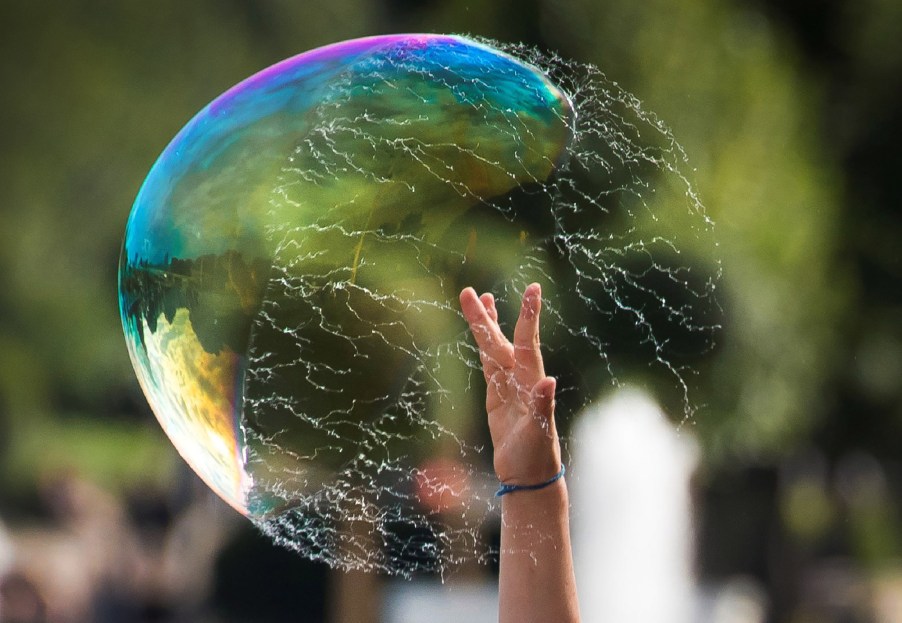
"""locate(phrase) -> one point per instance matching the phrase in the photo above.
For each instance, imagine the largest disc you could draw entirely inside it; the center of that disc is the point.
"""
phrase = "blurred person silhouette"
(20, 600)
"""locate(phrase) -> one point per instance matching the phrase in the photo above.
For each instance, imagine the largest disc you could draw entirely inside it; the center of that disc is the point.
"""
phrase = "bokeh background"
(790, 112)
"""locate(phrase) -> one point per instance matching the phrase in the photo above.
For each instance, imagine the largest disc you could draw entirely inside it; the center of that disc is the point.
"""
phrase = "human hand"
(519, 397)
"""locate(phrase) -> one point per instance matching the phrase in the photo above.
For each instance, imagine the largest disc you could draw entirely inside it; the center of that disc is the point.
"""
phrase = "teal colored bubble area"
(290, 270)
(246, 134)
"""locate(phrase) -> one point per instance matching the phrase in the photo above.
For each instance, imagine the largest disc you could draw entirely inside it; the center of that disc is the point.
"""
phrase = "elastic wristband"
(505, 489)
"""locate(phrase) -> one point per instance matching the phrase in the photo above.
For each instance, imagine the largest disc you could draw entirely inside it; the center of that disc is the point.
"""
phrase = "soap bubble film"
(291, 266)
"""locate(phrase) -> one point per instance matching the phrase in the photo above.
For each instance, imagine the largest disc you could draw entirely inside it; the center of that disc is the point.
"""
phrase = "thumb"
(543, 397)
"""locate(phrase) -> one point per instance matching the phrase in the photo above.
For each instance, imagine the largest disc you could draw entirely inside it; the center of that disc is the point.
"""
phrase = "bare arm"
(536, 578)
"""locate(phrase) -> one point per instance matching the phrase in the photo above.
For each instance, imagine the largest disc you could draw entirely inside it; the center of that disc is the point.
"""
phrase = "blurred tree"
(94, 90)
(747, 117)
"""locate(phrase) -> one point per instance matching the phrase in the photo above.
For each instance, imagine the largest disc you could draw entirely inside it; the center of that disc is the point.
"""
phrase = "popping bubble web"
(291, 266)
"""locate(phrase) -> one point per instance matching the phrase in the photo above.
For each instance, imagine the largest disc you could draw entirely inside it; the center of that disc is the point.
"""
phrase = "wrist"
(507, 488)
(536, 467)
(532, 505)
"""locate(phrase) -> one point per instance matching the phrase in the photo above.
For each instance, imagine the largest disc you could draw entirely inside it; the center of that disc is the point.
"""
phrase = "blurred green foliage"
(744, 112)
(789, 115)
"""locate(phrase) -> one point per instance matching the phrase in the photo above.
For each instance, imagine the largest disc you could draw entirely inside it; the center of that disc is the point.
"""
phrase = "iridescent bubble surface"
(291, 265)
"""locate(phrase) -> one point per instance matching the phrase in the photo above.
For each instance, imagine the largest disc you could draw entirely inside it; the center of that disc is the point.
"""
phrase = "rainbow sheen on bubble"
(291, 268)
(291, 262)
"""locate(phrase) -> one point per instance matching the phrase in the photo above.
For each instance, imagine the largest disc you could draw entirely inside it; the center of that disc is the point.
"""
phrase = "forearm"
(536, 581)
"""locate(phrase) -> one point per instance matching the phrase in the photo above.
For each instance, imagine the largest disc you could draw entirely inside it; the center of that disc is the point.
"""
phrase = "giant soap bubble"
(291, 265)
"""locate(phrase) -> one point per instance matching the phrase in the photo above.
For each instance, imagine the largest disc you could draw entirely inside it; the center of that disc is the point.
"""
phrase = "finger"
(488, 299)
(527, 348)
(494, 349)
(543, 398)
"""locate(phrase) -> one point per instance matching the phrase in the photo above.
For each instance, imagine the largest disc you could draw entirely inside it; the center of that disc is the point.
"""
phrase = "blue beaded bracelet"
(505, 489)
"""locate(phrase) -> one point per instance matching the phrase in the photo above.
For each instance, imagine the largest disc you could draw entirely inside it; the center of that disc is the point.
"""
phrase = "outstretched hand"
(519, 397)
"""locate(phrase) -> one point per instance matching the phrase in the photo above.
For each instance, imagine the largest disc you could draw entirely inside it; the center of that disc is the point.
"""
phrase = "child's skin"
(536, 580)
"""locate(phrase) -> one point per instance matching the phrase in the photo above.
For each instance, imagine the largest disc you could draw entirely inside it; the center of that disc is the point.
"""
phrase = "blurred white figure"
(738, 600)
(632, 513)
